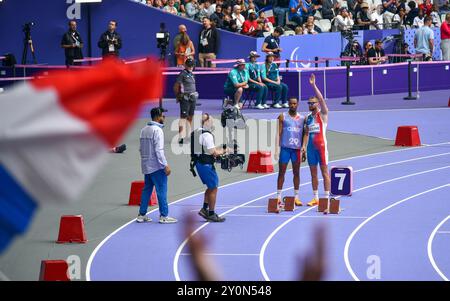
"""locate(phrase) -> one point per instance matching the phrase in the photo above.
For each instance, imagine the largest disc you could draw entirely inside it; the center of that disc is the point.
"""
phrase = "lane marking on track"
(97, 248)
(352, 235)
(430, 248)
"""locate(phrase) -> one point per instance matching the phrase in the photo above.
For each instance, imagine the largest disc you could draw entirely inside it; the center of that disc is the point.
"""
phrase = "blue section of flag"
(16, 209)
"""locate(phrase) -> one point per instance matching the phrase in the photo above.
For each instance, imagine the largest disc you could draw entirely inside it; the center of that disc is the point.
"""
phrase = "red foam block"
(54, 270)
(407, 136)
(260, 162)
(136, 192)
(71, 229)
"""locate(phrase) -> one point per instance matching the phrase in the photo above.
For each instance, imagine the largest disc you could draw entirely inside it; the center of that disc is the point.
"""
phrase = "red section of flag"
(108, 96)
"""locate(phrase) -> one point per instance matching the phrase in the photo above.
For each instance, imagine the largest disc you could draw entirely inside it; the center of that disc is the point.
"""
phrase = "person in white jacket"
(238, 17)
(344, 20)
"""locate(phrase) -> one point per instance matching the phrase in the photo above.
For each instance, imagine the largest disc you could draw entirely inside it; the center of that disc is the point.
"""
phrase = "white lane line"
(352, 235)
(430, 248)
(220, 254)
(443, 232)
(304, 216)
(227, 207)
(263, 248)
(180, 248)
(91, 258)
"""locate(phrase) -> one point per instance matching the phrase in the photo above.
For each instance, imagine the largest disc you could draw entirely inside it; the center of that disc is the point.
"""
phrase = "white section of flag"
(52, 154)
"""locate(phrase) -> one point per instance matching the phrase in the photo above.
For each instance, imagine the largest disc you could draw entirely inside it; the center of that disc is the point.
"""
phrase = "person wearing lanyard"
(208, 44)
(237, 81)
(376, 55)
(271, 76)
(255, 83)
(110, 41)
(272, 42)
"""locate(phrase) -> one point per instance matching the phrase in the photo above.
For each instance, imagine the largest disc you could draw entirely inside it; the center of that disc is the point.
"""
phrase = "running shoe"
(203, 213)
(215, 218)
(167, 220)
(143, 219)
(314, 202)
(298, 202)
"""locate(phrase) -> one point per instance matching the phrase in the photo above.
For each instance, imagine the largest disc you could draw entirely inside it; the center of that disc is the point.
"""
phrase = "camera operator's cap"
(253, 54)
(239, 62)
(364, 5)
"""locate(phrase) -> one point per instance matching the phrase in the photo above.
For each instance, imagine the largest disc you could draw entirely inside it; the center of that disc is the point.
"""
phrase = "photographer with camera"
(72, 44)
(110, 41)
(203, 156)
(186, 94)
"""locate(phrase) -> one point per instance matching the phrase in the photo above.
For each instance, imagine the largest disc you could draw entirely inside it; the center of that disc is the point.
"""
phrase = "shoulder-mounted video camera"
(230, 161)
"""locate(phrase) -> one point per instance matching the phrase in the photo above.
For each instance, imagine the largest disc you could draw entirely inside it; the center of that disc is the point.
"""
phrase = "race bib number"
(314, 128)
(294, 141)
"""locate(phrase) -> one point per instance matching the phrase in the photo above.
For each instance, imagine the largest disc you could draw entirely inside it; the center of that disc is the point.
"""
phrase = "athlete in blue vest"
(290, 137)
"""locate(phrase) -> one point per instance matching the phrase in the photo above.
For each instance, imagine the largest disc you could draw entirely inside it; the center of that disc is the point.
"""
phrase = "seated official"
(237, 81)
(271, 77)
(255, 82)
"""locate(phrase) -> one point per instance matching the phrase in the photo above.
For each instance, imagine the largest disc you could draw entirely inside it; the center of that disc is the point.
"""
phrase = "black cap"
(189, 62)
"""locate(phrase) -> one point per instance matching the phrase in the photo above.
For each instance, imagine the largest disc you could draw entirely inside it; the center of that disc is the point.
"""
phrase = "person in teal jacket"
(270, 74)
(237, 81)
(255, 82)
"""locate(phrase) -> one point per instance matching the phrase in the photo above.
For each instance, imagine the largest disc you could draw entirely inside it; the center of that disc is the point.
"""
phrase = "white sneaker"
(167, 220)
(143, 219)
(266, 106)
(285, 105)
(277, 106)
(260, 107)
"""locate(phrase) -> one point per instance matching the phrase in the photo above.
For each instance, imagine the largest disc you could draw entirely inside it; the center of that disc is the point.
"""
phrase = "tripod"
(28, 42)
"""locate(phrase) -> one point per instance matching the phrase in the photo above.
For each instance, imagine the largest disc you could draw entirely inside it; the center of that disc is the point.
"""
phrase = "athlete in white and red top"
(316, 150)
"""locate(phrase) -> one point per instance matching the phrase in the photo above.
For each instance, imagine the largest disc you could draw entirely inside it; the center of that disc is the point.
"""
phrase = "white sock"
(296, 194)
(279, 194)
(316, 194)
(327, 194)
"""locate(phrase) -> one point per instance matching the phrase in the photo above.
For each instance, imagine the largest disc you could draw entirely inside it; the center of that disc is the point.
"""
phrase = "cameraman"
(203, 156)
(72, 44)
(186, 94)
(110, 41)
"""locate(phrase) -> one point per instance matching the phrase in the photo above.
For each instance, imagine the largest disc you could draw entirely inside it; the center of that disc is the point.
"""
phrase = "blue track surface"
(246, 247)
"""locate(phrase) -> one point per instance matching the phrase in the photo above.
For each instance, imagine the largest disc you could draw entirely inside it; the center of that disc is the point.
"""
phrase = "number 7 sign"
(341, 180)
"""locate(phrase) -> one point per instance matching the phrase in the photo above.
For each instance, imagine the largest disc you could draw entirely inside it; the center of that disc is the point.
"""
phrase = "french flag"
(55, 133)
(268, 11)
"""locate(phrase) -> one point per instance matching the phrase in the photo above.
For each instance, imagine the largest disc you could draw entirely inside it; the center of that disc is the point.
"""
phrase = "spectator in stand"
(260, 29)
(344, 20)
(208, 43)
(250, 25)
(329, 8)
(310, 20)
(426, 7)
(309, 28)
(436, 19)
(250, 4)
(206, 10)
(241, 3)
(227, 10)
(424, 40)
(400, 19)
(389, 10)
(376, 55)
(362, 17)
(419, 20)
(298, 30)
(412, 14)
(185, 49)
(445, 38)
(272, 42)
(149, 2)
(217, 17)
(170, 7)
(280, 8)
(309, 8)
(158, 4)
(238, 17)
(355, 7)
(377, 18)
(192, 9)
(296, 11)
(268, 26)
